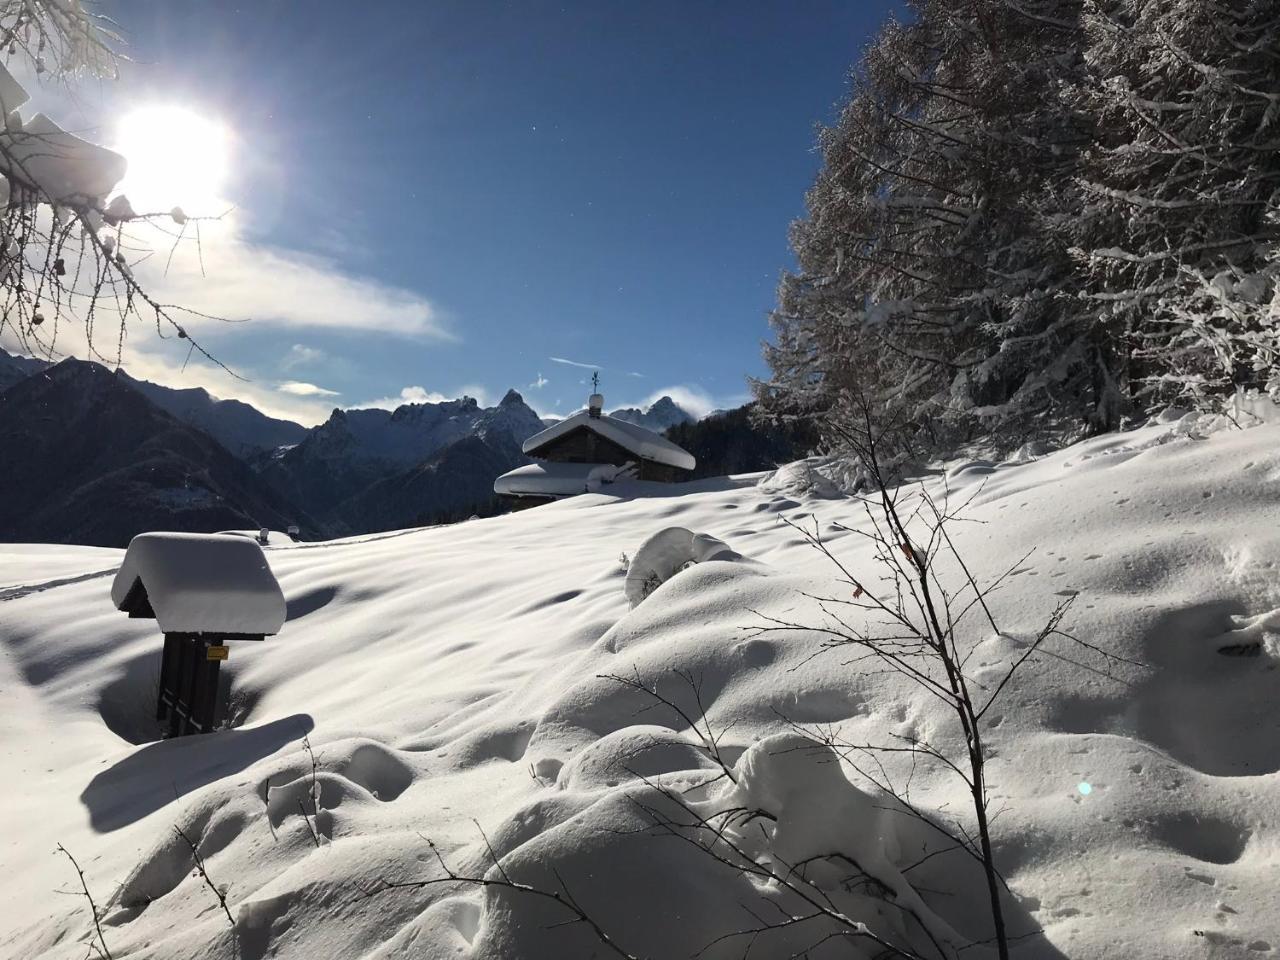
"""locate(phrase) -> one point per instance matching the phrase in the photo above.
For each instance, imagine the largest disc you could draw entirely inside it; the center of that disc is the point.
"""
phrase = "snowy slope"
(450, 680)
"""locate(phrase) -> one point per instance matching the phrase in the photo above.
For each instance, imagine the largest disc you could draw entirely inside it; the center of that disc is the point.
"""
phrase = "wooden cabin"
(588, 450)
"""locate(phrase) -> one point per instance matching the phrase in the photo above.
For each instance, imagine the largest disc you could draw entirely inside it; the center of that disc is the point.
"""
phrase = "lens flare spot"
(1085, 788)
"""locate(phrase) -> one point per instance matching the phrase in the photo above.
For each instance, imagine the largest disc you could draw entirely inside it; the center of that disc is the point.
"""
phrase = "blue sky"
(462, 191)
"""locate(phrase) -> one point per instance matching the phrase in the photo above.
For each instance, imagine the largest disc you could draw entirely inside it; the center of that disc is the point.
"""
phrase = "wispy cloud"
(232, 277)
(540, 382)
(575, 363)
(300, 389)
(300, 355)
(590, 366)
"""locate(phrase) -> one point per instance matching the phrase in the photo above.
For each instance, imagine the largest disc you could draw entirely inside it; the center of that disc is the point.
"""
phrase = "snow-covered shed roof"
(556, 479)
(200, 583)
(644, 443)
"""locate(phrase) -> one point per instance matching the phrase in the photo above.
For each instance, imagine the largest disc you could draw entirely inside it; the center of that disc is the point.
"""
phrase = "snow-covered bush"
(668, 552)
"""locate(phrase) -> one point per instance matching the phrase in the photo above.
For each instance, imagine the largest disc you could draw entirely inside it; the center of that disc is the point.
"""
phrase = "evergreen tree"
(1177, 241)
(927, 280)
(1033, 210)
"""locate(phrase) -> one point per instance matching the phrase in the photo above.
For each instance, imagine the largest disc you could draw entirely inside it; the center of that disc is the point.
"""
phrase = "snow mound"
(668, 552)
(826, 478)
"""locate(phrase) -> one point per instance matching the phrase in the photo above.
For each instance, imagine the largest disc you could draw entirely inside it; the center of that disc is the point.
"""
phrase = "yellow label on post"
(216, 653)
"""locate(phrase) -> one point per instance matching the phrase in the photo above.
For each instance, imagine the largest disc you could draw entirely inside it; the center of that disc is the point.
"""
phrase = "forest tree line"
(1036, 212)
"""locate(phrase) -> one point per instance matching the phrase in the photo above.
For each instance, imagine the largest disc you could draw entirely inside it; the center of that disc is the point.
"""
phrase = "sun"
(177, 157)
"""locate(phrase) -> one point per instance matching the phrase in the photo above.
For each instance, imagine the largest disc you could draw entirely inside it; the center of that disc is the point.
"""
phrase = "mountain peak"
(658, 416)
(511, 398)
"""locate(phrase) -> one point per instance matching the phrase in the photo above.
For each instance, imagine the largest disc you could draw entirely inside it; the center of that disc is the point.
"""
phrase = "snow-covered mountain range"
(241, 428)
(660, 415)
(15, 367)
(361, 470)
(354, 450)
(88, 458)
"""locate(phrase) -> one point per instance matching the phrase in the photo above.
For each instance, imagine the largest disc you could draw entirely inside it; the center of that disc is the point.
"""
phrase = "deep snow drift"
(457, 679)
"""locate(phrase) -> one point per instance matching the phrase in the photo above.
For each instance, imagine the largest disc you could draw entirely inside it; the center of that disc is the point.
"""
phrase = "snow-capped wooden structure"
(587, 450)
(203, 590)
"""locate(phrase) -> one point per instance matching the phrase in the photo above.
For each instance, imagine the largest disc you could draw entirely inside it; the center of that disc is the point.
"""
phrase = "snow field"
(457, 679)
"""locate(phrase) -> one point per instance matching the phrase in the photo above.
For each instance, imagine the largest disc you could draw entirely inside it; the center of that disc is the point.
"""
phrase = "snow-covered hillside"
(453, 680)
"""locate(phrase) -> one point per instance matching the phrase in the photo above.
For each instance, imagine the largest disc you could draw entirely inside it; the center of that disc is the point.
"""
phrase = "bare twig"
(563, 896)
(313, 791)
(698, 723)
(93, 907)
(204, 874)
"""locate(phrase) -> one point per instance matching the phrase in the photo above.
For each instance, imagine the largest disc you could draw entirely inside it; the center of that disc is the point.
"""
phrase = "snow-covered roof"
(556, 479)
(201, 583)
(644, 443)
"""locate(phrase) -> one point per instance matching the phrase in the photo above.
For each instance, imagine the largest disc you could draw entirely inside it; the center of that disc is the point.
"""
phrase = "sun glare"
(177, 157)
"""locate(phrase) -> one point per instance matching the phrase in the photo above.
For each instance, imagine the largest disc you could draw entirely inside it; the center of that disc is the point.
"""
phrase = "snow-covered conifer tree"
(1178, 239)
(927, 280)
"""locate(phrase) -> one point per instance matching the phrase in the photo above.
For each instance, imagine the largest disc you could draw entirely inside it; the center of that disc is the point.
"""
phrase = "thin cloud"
(540, 382)
(272, 286)
(575, 363)
(300, 355)
(301, 389)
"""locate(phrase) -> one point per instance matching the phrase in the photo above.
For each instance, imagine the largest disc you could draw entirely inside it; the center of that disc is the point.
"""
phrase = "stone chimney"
(595, 403)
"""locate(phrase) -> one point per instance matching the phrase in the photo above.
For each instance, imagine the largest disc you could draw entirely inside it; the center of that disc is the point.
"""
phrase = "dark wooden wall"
(661, 472)
(522, 501)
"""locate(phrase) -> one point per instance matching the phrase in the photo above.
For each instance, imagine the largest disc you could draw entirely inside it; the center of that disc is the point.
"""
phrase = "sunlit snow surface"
(450, 680)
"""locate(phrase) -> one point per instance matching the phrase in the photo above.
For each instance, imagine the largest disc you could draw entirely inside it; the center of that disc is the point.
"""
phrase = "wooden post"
(205, 696)
(190, 669)
(168, 670)
(179, 684)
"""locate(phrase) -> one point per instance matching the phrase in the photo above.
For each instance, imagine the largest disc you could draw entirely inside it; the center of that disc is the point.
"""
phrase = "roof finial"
(595, 403)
